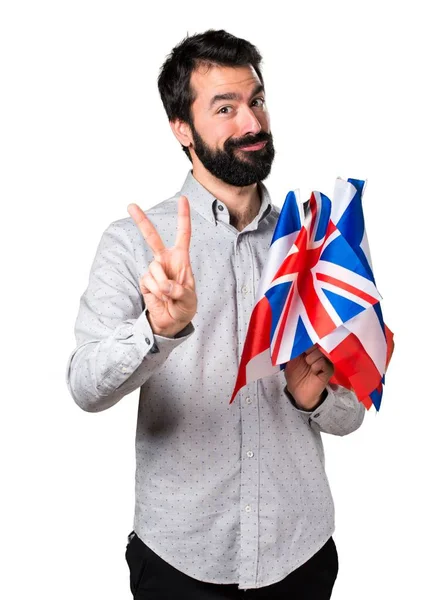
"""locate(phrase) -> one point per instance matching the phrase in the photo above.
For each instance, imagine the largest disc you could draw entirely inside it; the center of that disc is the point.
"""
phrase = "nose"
(248, 122)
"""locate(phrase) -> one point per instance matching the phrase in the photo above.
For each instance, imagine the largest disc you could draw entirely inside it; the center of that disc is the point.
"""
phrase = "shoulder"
(162, 215)
(159, 214)
(165, 208)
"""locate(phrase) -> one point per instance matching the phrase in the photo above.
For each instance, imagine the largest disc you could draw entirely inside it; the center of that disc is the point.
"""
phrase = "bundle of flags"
(317, 287)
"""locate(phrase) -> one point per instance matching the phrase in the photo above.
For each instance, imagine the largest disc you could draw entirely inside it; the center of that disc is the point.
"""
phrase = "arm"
(117, 350)
(339, 412)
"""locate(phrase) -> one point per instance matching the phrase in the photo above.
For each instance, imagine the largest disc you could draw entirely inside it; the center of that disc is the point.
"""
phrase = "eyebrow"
(233, 96)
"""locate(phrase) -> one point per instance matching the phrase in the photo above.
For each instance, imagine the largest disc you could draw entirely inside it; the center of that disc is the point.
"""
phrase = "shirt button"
(124, 369)
(248, 400)
(250, 454)
(148, 341)
(244, 289)
(248, 508)
(220, 207)
(316, 415)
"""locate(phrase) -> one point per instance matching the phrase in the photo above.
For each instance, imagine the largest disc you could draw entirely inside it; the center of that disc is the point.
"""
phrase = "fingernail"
(167, 288)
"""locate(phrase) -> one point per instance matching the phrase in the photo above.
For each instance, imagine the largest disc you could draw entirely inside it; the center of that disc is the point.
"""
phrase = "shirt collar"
(206, 204)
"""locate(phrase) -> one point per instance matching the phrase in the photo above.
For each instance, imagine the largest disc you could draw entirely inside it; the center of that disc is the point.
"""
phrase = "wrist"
(310, 407)
(167, 333)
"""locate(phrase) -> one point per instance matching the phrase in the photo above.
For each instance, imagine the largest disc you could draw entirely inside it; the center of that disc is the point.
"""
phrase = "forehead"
(208, 81)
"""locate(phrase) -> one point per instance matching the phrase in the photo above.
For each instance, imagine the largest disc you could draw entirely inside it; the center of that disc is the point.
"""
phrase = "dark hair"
(209, 48)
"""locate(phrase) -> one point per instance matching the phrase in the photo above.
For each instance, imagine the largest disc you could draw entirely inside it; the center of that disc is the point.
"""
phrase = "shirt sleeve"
(340, 413)
(117, 350)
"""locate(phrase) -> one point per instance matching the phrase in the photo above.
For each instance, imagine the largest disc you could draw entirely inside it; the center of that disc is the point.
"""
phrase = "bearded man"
(232, 501)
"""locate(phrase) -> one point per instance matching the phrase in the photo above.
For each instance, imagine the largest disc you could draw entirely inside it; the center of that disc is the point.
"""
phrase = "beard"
(236, 167)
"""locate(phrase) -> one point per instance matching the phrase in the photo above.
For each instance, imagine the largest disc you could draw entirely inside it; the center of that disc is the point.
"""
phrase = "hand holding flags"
(318, 287)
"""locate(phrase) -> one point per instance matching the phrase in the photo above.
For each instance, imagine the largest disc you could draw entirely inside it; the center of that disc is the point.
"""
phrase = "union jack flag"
(318, 287)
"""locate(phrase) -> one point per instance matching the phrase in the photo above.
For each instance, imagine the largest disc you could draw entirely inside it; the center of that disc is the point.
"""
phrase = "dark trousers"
(151, 578)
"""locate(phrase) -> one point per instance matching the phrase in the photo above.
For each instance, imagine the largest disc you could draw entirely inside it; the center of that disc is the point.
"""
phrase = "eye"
(260, 100)
(223, 109)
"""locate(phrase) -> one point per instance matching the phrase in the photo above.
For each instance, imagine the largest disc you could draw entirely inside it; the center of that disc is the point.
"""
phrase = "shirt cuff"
(325, 395)
(144, 334)
(153, 343)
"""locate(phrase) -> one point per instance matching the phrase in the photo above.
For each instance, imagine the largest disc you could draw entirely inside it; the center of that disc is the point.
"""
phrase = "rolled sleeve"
(117, 350)
(340, 413)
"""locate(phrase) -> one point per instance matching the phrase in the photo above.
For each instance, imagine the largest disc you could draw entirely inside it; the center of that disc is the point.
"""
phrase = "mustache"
(248, 140)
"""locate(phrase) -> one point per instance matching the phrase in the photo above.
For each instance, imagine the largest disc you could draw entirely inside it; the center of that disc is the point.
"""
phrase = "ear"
(182, 131)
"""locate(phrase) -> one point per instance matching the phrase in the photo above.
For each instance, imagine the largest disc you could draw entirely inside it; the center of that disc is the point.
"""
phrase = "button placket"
(222, 213)
(249, 500)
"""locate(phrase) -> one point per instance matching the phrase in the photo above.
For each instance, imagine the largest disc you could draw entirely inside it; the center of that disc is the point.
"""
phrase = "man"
(232, 501)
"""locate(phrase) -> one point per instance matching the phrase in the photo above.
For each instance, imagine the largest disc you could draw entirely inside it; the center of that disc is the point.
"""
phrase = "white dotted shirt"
(225, 493)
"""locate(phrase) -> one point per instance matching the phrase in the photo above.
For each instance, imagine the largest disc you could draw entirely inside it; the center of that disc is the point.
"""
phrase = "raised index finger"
(146, 228)
(183, 224)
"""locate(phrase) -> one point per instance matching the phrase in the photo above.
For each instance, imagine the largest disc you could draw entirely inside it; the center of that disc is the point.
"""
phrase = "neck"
(243, 203)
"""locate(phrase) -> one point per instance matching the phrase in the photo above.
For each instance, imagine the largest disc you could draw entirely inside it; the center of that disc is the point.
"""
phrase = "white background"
(354, 90)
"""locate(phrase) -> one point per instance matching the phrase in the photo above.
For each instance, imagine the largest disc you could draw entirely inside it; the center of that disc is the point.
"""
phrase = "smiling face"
(230, 133)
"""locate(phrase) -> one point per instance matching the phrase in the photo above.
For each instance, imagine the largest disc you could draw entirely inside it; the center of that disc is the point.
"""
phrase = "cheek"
(265, 121)
(220, 133)
(214, 132)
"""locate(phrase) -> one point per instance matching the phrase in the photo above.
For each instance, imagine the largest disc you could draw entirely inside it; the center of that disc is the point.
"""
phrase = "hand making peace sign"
(168, 286)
